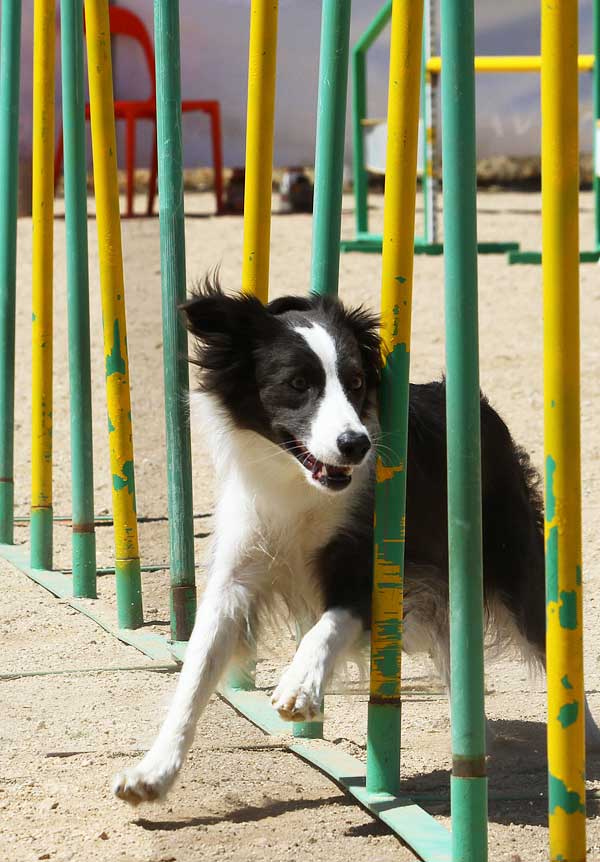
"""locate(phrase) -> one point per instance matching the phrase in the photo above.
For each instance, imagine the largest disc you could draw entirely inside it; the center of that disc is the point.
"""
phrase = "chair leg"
(130, 156)
(215, 127)
(58, 158)
(153, 173)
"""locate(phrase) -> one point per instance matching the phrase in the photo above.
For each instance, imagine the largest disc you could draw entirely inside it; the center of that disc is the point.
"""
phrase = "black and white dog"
(287, 400)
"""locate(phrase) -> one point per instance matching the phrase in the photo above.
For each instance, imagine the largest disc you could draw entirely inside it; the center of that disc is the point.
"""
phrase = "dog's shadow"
(518, 786)
(517, 777)
(245, 814)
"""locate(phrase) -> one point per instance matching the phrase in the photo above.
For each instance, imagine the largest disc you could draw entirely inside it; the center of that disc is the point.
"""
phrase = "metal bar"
(172, 250)
(468, 782)
(596, 103)
(104, 148)
(153, 645)
(359, 113)
(560, 256)
(10, 64)
(262, 59)
(329, 160)
(43, 230)
(383, 732)
(517, 64)
(75, 177)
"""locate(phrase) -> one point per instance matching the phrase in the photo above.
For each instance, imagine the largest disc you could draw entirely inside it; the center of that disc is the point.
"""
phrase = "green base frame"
(371, 243)
(429, 839)
(535, 257)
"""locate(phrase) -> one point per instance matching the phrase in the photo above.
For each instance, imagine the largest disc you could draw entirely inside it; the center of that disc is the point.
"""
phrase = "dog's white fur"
(270, 519)
(335, 414)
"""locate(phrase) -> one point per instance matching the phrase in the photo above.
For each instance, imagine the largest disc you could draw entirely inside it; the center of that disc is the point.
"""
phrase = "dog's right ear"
(214, 316)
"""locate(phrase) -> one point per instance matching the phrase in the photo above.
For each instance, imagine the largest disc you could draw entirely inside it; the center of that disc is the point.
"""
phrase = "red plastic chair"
(123, 22)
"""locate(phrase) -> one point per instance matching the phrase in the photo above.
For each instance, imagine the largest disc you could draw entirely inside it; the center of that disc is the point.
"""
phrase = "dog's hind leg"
(300, 691)
(218, 634)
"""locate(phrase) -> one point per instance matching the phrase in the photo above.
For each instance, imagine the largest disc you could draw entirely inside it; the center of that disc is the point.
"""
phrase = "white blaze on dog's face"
(337, 437)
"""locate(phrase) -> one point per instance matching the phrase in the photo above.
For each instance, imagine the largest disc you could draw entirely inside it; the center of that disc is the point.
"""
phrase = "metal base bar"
(535, 257)
(428, 838)
(371, 243)
(153, 645)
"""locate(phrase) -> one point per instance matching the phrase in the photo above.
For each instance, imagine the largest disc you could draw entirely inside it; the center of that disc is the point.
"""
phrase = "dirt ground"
(77, 705)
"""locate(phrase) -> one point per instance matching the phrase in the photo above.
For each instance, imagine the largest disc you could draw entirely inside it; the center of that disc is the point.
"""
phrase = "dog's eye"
(356, 382)
(300, 384)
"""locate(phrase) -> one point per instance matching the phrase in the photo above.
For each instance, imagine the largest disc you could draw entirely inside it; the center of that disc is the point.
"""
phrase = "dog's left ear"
(365, 328)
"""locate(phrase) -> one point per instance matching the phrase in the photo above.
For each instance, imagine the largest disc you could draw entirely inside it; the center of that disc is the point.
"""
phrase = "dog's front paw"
(297, 700)
(139, 784)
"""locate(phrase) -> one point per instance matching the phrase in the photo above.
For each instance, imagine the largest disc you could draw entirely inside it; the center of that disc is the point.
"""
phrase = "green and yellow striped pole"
(82, 461)
(176, 375)
(10, 60)
(329, 156)
(560, 257)
(260, 124)
(127, 562)
(44, 25)
(383, 733)
(468, 786)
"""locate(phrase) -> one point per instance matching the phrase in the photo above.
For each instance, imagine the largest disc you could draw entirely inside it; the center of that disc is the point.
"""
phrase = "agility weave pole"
(562, 447)
(468, 786)
(104, 148)
(41, 336)
(10, 67)
(80, 404)
(173, 279)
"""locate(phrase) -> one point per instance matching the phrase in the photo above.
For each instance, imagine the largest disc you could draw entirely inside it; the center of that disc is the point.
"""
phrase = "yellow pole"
(259, 147)
(516, 64)
(560, 257)
(127, 563)
(43, 227)
(383, 736)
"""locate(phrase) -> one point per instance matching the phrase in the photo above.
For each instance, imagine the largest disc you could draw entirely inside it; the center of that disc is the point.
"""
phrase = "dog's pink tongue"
(317, 469)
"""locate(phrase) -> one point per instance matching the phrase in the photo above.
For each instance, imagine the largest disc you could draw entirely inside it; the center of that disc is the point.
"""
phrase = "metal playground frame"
(431, 72)
(377, 787)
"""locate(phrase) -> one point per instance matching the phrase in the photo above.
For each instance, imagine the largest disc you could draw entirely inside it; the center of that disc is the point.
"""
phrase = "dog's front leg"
(218, 633)
(300, 691)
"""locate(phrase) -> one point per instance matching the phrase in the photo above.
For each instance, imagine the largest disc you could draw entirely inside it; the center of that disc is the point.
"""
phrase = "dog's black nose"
(353, 447)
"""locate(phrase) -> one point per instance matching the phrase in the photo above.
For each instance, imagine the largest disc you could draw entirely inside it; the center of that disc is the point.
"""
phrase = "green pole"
(359, 113)
(329, 175)
(469, 782)
(596, 85)
(384, 714)
(10, 60)
(84, 537)
(329, 162)
(176, 379)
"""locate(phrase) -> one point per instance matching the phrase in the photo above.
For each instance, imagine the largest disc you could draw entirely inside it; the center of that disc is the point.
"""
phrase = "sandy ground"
(242, 796)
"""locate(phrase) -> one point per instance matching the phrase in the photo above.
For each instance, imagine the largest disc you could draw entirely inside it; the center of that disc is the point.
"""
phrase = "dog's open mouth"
(329, 475)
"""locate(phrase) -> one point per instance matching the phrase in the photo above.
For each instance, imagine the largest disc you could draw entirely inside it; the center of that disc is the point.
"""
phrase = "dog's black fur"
(242, 350)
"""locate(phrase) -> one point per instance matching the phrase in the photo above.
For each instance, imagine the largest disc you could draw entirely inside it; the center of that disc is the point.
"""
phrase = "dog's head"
(300, 371)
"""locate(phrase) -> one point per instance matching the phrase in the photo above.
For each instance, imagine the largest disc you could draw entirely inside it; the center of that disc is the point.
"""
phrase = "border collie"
(287, 401)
